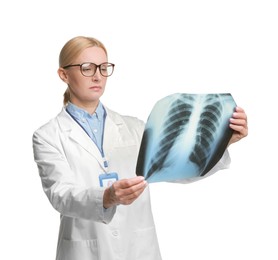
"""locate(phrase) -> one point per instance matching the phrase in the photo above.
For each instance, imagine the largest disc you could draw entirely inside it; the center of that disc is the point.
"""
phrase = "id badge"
(107, 179)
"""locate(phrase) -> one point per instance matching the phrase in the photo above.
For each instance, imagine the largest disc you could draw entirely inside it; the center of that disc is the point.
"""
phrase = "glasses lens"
(106, 69)
(88, 69)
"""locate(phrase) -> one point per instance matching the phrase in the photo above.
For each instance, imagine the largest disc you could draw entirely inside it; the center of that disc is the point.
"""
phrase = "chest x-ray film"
(185, 136)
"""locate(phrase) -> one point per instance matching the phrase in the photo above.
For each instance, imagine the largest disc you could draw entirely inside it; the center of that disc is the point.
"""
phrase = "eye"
(87, 67)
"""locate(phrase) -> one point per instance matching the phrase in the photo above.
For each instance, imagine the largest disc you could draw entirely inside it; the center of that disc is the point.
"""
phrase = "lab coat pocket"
(145, 245)
(76, 250)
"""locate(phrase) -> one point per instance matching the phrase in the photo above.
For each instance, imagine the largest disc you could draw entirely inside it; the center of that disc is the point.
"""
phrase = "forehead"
(92, 54)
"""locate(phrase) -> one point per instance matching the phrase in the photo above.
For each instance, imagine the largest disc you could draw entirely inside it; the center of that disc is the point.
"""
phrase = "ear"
(63, 75)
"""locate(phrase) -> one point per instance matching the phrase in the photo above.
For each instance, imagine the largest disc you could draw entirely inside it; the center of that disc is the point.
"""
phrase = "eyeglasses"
(88, 69)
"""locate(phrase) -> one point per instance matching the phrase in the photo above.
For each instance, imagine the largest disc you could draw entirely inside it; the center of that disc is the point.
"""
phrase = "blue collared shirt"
(93, 124)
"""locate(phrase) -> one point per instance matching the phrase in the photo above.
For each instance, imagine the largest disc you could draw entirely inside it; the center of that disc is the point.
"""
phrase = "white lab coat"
(69, 165)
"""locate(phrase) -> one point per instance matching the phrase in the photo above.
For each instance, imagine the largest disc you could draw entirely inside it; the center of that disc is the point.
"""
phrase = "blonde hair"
(72, 49)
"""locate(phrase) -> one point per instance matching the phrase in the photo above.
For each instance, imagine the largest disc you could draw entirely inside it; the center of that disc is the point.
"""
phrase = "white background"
(159, 48)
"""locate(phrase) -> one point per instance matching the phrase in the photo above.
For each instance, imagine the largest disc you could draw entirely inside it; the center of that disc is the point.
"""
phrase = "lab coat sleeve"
(59, 185)
(223, 163)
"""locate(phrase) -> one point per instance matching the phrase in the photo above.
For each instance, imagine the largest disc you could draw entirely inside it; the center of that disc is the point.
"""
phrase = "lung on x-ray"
(185, 136)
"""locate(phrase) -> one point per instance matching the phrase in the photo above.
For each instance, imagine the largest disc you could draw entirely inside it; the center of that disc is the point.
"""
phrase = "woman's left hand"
(238, 123)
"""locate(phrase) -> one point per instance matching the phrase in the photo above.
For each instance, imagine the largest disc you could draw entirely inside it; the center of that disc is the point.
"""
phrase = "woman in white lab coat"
(86, 158)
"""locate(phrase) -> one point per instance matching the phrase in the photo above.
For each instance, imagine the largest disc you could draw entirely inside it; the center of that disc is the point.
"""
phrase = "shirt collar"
(82, 113)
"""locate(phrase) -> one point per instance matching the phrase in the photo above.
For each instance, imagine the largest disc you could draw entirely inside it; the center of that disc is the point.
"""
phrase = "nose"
(97, 75)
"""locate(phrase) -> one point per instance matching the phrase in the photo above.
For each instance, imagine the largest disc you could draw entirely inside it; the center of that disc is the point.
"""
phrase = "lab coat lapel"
(111, 132)
(74, 131)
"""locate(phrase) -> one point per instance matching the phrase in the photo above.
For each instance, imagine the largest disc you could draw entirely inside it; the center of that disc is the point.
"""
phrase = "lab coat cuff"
(106, 215)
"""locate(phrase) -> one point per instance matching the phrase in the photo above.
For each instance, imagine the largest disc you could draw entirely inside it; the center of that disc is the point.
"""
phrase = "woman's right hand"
(124, 191)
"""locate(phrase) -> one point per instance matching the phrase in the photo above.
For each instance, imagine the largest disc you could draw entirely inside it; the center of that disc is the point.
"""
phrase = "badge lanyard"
(106, 179)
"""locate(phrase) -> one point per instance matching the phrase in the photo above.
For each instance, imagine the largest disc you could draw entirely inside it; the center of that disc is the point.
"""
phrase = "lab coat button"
(115, 233)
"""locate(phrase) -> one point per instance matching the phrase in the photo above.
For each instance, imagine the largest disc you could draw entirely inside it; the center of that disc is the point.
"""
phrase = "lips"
(97, 88)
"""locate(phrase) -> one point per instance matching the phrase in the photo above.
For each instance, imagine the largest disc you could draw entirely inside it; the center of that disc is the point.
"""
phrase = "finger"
(126, 183)
(239, 109)
(238, 128)
(241, 122)
(132, 189)
(239, 113)
(129, 198)
(240, 131)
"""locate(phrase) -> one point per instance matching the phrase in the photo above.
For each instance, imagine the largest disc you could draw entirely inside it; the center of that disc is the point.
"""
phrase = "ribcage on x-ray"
(206, 131)
(188, 133)
(176, 121)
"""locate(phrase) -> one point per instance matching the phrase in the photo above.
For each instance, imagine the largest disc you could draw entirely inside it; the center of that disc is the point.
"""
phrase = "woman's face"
(85, 91)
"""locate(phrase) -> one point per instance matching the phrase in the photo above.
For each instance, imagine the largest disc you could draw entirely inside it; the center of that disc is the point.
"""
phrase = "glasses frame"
(97, 67)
